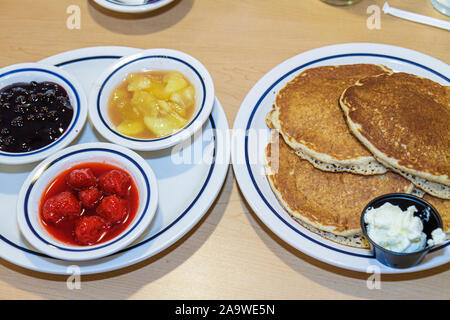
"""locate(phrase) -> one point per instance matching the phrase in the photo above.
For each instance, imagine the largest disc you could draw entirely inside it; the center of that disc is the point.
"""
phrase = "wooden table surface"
(230, 254)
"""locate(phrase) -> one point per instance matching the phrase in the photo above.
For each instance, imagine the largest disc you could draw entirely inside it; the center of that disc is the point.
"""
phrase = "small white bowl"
(28, 204)
(27, 72)
(132, 8)
(152, 59)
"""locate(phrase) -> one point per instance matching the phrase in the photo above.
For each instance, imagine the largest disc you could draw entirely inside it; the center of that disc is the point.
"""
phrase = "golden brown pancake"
(404, 120)
(328, 201)
(443, 207)
(308, 116)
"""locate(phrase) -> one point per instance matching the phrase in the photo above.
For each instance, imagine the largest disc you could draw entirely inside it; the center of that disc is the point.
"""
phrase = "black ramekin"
(403, 200)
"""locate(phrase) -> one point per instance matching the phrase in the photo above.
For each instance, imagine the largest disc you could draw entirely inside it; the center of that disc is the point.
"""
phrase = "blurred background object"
(343, 2)
(443, 6)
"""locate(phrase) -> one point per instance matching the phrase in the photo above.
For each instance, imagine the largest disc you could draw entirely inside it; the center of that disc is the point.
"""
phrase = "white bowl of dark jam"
(42, 109)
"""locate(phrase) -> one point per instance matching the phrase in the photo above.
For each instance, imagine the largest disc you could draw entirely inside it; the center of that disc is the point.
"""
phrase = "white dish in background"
(248, 149)
(132, 7)
(151, 60)
(30, 195)
(186, 190)
(27, 72)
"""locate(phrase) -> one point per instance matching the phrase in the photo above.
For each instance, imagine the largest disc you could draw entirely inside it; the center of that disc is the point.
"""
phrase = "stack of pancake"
(343, 135)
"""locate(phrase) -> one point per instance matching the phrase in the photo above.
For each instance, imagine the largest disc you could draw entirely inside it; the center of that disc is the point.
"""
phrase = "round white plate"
(250, 136)
(132, 8)
(189, 180)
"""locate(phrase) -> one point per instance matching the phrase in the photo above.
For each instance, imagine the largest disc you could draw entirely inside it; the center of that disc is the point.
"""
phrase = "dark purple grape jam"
(32, 115)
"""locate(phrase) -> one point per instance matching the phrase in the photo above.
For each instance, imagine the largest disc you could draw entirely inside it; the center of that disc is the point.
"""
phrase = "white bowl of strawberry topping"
(87, 201)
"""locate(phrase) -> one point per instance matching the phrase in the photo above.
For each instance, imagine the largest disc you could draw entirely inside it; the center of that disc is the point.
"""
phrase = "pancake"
(443, 207)
(404, 120)
(308, 116)
(357, 240)
(330, 202)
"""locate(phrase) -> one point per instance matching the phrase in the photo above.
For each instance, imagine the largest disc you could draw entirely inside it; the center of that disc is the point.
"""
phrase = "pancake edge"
(295, 215)
(442, 179)
(356, 241)
(324, 161)
(387, 162)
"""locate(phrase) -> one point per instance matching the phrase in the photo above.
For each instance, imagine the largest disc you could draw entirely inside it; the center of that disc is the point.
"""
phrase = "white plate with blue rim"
(132, 6)
(190, 176)
(251, 135)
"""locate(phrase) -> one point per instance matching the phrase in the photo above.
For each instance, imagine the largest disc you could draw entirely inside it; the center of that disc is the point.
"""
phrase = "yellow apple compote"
(152, 104)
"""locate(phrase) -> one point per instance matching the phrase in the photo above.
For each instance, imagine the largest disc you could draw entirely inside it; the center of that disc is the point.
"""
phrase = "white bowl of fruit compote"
(151, 100)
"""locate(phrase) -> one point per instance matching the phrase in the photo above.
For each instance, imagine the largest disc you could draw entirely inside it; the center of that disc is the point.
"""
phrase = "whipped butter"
(438, 237)
(397, 230)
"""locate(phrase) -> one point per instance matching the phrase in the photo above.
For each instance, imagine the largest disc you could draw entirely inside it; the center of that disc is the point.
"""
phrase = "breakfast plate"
(189, 175)
(133, 6)
(251, 135)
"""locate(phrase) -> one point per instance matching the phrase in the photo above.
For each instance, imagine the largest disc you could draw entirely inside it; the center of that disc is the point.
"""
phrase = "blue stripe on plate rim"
(118, 238)
(259, 103)
(142, 58)
(67, 131)
(86, 59)
(133, 5)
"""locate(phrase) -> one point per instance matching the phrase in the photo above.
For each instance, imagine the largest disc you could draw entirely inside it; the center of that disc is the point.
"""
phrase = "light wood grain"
(230, 254)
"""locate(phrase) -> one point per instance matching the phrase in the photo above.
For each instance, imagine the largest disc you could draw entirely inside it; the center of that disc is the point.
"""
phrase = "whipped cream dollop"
(397, 230)
(438, 237)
